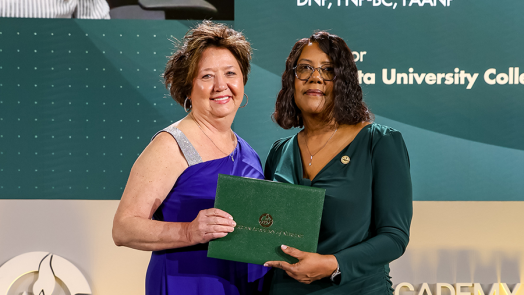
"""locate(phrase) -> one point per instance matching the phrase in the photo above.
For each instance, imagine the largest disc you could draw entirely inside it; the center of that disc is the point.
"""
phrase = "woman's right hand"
(209, 224)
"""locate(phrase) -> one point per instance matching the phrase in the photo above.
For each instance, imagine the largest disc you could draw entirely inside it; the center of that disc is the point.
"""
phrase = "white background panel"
(451, 242)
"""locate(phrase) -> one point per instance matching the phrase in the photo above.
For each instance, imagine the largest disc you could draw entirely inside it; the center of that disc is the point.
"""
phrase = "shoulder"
(379, 133)
(165, 137)
(387, 143)
(380, 130)
(279, 148)
(283, 143)
(166, 131)
(163, 145)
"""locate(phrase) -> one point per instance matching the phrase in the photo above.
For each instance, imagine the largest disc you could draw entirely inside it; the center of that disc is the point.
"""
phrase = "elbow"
(118, 242)
(404, 244)
(118, 238)
(399, 238)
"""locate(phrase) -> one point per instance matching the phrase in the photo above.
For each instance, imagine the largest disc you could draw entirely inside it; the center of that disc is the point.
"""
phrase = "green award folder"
(268, 214)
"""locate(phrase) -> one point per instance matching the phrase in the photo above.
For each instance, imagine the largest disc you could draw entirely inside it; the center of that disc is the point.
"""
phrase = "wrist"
(186, 230)
(334, 276)
(331, 265)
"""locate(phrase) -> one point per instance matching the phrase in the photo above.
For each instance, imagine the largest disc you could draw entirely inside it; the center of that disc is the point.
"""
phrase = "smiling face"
(313, 95)
(218, 85)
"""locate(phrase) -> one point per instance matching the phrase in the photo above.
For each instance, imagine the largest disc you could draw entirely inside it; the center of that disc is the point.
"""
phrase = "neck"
(314, 126)
(211, 124)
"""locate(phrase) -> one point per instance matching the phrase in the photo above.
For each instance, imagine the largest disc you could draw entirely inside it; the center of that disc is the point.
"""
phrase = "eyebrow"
(307, 60)
(211, 69)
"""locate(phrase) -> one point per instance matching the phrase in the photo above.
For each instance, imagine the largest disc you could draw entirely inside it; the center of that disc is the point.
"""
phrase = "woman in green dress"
(363, 166)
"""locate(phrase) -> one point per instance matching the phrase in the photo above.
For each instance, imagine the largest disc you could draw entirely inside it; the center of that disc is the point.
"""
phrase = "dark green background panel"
(464, 144)
(79, 102)
(80, 99)
(470, 35)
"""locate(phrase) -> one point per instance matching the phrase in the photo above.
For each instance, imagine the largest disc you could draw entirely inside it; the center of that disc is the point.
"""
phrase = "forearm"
(151, 235)
(369, 256)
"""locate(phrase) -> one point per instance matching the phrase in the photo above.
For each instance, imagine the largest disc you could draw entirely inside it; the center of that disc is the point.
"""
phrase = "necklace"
(311, 155)
(231, 155)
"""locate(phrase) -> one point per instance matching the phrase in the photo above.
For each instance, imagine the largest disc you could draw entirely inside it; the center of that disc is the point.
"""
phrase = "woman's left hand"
(310, 266)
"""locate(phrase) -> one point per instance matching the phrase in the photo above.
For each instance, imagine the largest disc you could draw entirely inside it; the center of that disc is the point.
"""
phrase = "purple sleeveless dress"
(188, 270)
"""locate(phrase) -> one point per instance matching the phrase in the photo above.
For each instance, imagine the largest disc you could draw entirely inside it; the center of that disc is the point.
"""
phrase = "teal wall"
(79, 99)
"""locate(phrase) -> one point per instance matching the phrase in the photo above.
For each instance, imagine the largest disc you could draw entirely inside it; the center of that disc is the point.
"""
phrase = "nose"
(220, 83)
(315, 77)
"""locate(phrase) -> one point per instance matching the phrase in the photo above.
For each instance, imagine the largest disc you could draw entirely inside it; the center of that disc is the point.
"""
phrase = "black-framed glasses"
(303, 72)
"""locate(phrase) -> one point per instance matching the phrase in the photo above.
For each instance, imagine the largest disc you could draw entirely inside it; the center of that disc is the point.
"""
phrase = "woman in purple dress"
(167, 205)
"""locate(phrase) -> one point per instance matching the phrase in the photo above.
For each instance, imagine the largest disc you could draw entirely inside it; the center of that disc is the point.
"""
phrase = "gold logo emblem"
(265, 220)
(344, 160)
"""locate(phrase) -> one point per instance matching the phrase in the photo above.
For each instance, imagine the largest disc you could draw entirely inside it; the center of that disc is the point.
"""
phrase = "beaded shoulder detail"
(188, 150)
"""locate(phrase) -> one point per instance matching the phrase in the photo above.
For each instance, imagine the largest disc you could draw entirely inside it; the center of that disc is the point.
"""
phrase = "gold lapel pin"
(345, 160)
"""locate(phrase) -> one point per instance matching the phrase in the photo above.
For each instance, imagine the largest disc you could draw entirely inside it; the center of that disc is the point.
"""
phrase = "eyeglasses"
(303, 72)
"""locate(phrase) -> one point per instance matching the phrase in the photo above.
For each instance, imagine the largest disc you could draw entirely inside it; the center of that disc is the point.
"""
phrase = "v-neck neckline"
(298, 158)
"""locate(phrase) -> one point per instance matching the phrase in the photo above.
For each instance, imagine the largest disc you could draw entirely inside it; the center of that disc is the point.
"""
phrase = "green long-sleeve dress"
(367, 210)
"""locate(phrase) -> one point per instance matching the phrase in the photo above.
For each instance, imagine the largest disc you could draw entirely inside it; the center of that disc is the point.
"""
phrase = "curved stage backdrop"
(80, 99)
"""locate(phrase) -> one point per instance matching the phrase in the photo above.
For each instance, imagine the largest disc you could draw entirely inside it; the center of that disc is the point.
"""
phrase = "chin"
(224, 112)
(314, 109)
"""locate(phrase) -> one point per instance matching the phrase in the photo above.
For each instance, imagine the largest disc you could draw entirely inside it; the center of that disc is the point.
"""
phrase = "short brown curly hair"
(347, 106)
(182, 65)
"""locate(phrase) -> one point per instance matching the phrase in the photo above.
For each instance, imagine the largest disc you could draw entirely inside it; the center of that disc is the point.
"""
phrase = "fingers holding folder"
(210, 224)
(310, 266)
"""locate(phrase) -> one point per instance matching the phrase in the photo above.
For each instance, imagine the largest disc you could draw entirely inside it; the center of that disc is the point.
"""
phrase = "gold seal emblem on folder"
(265, 220)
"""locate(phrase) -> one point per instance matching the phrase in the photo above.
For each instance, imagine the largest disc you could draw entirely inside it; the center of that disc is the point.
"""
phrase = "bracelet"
(335, 273)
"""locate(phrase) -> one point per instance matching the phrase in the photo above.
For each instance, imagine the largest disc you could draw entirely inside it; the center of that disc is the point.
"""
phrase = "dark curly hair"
(182, 65)
(347, 106)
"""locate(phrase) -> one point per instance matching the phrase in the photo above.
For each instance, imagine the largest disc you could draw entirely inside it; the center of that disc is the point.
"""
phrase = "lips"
(225, 97)
(314, 92)
(222, 99)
